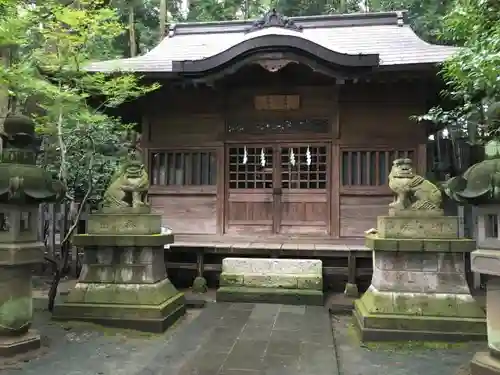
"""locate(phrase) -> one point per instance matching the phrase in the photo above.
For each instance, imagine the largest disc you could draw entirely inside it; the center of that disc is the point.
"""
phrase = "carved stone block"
(412, 227)
(124, 224)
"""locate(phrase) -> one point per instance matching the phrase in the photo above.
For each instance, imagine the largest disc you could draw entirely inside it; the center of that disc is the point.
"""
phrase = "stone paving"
(225, 339)
(231, 339)
(267, 339)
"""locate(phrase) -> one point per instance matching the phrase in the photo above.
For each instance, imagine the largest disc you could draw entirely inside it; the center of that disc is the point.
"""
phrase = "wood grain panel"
(316, 100)
(187, 128)
(358, 214)
(250, 211)
(380, 92)
(380, 123)
(304, 212)
(187, 214)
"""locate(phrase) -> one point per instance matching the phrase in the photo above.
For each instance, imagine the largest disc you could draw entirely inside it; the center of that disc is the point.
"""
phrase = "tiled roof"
(385, 34)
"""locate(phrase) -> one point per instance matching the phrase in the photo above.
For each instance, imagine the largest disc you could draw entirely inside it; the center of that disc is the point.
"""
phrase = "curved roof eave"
(274, 41)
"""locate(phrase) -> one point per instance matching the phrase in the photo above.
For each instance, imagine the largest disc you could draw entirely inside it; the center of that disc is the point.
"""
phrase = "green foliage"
(317, 7)
(82, 142)
(214, 10)
(471, 75)
(425, 16)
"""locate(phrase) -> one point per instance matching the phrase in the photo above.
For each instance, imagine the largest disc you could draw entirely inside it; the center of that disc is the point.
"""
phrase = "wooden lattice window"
(250, 167)
(192, 168)
(368, 167)
(304, 167)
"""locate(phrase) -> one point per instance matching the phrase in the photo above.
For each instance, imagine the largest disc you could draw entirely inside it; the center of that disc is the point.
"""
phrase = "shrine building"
(276, 136)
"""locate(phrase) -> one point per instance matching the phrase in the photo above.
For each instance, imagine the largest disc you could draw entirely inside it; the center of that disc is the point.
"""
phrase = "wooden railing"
(183, 168)
(365, 171)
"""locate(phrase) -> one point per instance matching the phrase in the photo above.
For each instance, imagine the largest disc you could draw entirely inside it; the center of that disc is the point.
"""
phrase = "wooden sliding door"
(278, 189)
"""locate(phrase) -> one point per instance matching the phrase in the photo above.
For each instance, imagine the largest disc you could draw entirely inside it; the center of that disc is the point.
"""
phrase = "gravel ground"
(85, 349)
(399, 359)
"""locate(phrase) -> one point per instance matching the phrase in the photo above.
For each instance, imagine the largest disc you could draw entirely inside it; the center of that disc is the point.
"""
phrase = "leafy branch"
(65, 244)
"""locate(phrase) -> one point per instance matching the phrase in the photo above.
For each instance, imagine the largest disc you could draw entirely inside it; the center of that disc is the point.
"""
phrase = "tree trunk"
(5, 55)
(131, 30)
(343, 6)
(163, 19)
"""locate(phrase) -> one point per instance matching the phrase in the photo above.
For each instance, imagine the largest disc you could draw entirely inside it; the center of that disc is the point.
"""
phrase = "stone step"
(270, 295)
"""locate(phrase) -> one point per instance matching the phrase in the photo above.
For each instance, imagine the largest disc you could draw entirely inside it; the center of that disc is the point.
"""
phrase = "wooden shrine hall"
(276, 136)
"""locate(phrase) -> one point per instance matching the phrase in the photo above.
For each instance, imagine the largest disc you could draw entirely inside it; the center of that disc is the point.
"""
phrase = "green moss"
(400, 347)
(79, 326)
(409, 346)
(106, 331)
(16, 312)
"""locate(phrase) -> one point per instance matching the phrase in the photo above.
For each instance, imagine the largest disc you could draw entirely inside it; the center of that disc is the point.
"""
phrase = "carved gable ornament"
(274, 19)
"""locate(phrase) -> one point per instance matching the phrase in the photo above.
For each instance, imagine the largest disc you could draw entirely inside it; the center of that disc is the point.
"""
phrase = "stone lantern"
(480, 186)
(23, 186)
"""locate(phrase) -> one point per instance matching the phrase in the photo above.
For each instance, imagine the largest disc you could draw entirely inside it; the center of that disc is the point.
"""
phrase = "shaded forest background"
(150, 17)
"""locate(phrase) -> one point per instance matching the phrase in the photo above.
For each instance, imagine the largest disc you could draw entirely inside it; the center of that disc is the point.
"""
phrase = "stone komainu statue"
(413, 192)
(480, 183)
(129, 186)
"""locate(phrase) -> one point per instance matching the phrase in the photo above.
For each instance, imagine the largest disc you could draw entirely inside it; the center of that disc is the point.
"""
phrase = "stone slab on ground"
(264, 280)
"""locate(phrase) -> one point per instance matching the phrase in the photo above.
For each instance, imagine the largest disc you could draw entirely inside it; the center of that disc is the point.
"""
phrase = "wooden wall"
(368, 122)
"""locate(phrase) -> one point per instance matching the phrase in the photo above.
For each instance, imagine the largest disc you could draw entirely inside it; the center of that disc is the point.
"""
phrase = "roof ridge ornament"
(273, 19)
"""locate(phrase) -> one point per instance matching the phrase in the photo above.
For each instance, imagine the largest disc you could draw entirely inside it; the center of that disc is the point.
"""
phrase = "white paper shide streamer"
(292, 158)
(245, 155)
(308, 156)
(262, 158)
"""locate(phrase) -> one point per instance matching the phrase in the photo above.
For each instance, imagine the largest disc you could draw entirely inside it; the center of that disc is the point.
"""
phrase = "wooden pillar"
(335, 160)
(221, 189)
(199, 283)
(200, 267)
(351, 288)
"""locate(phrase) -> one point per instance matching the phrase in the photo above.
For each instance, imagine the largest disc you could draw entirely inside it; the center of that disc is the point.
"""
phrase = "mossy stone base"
(146, 318)
(199, 285)
(351, 290)
(124, 294)
(484, 364)
(14, 345)
(118, 240)
(420, 317)
(270, 295)
(277, 281)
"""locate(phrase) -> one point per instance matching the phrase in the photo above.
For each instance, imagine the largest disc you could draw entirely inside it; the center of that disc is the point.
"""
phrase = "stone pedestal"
(419, 289)
(123, 282)
(19, 249)
(488, 262)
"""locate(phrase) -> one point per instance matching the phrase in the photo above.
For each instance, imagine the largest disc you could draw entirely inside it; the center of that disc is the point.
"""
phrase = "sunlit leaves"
(54, 41)
(472, 75)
